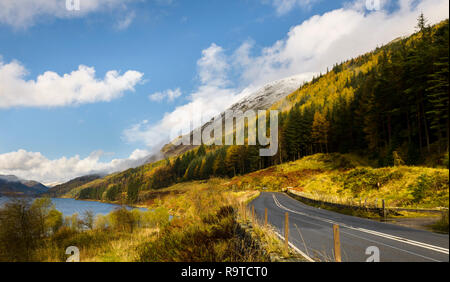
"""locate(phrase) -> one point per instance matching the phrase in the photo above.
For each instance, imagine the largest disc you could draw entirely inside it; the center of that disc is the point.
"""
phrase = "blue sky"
(205, 52)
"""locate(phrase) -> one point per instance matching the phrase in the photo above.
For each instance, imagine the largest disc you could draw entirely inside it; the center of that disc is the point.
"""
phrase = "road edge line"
(295, 248)
(372, 232)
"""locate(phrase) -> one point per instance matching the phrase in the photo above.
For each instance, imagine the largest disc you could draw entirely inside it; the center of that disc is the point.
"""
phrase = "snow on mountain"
(269, 94)
(261, 99)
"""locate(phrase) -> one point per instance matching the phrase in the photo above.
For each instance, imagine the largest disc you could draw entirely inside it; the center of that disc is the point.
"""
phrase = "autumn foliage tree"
(320, 130)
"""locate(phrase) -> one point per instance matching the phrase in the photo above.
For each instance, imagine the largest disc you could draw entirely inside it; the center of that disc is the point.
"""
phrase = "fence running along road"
(311, 231)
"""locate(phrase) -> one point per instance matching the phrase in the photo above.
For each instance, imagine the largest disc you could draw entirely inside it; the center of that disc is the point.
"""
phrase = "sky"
(97, 89)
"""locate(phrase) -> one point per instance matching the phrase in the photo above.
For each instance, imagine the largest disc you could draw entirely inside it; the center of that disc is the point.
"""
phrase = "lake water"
(72, 206)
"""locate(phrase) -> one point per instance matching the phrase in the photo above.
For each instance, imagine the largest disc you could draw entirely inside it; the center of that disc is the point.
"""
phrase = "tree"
(206, 169)
(54, 220)
(41, 208)
(438, 93)
(292, 134)
(20, 230)
(219, 166)
(232, 160)
(201, 151)
(320, 130)
(163, 176)
(123, 220)
(177, 168)
(421, 23)
(133, 189)
(88, 219)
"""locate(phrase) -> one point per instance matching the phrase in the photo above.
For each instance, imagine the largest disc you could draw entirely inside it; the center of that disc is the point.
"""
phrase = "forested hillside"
(393, 99)
(62, 189)
(390, 105)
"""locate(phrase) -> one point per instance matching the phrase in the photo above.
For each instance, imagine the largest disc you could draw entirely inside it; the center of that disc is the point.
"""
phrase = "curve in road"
(311, 232)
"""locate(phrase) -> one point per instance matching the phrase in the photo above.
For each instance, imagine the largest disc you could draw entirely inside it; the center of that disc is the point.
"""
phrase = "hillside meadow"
(350, 178)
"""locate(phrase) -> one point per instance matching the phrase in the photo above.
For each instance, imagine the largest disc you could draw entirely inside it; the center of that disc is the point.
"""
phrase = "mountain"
(391, 105)
(269, 94)
(11, 184)
(259, 100)
(61, 189)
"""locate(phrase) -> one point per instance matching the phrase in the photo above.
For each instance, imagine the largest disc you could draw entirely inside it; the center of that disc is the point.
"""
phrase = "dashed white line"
(384, 235)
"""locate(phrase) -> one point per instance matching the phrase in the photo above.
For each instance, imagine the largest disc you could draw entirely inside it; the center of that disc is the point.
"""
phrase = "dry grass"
(204, 228)
(347, 178)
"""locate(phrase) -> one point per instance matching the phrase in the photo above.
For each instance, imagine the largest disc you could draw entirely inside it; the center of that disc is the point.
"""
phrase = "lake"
(71, 206)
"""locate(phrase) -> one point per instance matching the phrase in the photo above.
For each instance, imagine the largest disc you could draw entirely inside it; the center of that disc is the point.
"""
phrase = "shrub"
(442, 224)
(122, 219)
(418, 190)
(364, 179)
(73, 222)
(213, 239)
(397, 159)
(158, 218)
(101, 222)
(431, 189)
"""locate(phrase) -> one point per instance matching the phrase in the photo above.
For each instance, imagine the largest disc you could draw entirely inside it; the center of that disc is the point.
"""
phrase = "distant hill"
(11, 184)
(61, 189)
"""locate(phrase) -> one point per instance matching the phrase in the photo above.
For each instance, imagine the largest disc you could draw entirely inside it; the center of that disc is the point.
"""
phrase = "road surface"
(311, 232)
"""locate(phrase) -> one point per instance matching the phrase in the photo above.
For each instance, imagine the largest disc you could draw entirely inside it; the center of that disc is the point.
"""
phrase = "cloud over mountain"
(34, 165)
(308, 48)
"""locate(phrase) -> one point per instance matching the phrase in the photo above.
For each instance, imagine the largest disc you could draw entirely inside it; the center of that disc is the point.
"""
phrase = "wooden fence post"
(384, 208)
(265, 217)
(286, 231)
(337, 243)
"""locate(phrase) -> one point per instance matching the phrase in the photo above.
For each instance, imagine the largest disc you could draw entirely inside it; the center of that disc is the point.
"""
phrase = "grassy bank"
(352, 180)
(347, 178)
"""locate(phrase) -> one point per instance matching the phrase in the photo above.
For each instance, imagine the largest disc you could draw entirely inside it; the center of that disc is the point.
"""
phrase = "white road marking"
(384, 235)
(390, 246)
(295, 248)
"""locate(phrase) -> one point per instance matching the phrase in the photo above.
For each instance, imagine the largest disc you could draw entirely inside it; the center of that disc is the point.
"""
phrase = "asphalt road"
(311, 231)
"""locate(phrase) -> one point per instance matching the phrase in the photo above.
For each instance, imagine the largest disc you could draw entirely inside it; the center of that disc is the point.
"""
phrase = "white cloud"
(333, 37)
(170, 94)
(284, 6)
(210, 98)
(213, 66)
(35, 166)
(125, 22)
(25, 13)
(309, 48)
(52, 90)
